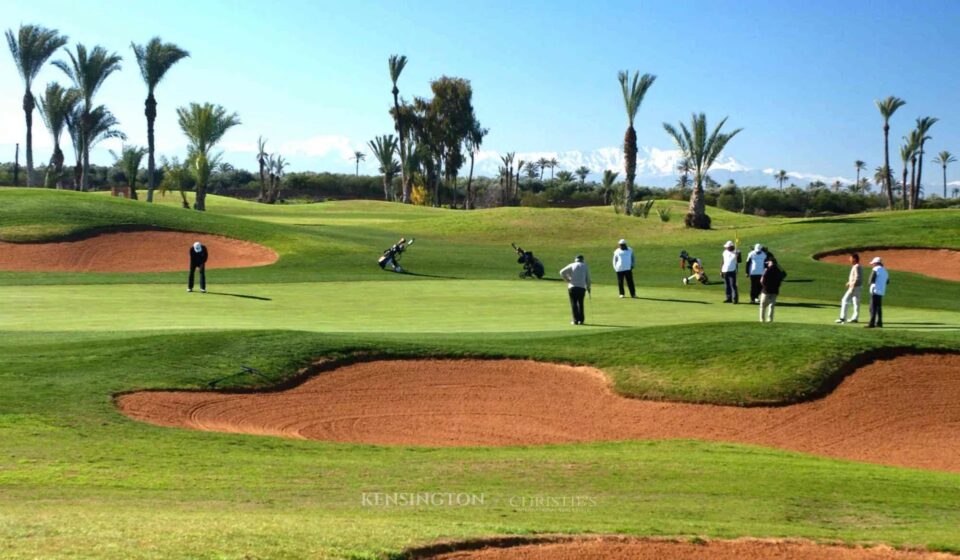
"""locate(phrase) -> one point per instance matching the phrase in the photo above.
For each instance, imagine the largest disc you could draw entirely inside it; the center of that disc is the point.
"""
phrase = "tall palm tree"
(542, 164)
(277, 169)
(908, 153)
(881, 175)
(262, 162)
(88, 72)
(397, 63)
(943, 159)
(128, 160)
(154, 59)
(683, 166)
(582, 172)
(859, 166)
(384, 149)
(633, 93)
(473, 142)
(702, 149)
(55, 106)
(887, 108)
(553, 165)
(507, 176)
(781, 177)
(358, 157)
(516, 184)
(923, 127)
(100, 125)
(204, 125)
(607, 186)
(533, 168)
(31, 47)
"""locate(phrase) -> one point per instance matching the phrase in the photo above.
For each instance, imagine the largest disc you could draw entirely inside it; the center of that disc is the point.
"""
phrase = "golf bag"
(531, 264)
(391, 257)
(695, 267)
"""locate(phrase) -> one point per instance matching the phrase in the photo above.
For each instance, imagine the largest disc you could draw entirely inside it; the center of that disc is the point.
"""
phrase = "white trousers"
(768, 303)
(851, 296)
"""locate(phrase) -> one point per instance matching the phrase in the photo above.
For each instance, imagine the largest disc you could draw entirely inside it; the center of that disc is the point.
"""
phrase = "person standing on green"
(577, 275)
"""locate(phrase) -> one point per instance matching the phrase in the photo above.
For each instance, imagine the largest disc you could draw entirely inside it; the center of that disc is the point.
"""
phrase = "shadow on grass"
(244, 296)
(832, 221)
(421, 275)
(669, 300)
(799, 281)
(806, 305)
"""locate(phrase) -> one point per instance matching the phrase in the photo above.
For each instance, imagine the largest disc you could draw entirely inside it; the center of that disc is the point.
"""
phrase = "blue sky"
(799, 77)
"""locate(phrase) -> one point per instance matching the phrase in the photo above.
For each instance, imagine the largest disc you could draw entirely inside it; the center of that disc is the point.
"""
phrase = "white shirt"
(755, 262)
(729, 261)
(880, 280)
(577, 275)
(623, 259)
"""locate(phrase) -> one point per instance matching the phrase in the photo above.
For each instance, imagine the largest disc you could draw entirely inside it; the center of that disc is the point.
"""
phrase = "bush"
(664, 214)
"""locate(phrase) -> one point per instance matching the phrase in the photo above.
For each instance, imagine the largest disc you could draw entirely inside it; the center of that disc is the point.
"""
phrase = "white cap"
(876, 260)
(197, 246)
(758, 247)
(623, 241)
(728, 244)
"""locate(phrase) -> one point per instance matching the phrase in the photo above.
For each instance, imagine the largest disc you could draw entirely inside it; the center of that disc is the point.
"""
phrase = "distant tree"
(277, 169)
(55, 107)
(358, 157)
(506, 176)
(859, 166)
(923, 127)
(887, 108)
(204, 125)
(837, 185)
(683, 167)
(582, 172)
(553, 165)
(176, 176)
(474, 141)
(633, 93)
(396, 64)
(781, 177)
(154, 59)
(907, 152)
(956, 192)
(30, 48)
(100, 125)
(607, 186)
(882, 175)
(943, 159)
(702, 149)
(384, 148)
(533, 167)
(262, 159)
(128, 160)
(565, 177)
(542, 164)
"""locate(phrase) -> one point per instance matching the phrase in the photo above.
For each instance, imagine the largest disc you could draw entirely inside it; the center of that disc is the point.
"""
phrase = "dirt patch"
(661, 549)
(903, 411)
(938, 263)
(131, 251)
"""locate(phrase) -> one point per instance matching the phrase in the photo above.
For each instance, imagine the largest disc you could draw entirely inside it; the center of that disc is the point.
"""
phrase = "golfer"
(852, 295)
(879, 279)
(623, 263)
(756, 260)
(770, 282)
(731, 256)
(577, 276)
(198, 260)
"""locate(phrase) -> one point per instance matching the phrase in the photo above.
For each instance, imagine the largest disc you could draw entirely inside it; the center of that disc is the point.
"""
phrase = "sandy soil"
(131, 251)
(638, 549)
(938, 263)
(904, 411)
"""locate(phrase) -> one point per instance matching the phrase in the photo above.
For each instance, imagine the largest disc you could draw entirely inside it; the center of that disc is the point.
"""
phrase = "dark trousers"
(755, 287)
(730, 281)
(203, 276)
(876, 310)
(628, 274)
(576, 303)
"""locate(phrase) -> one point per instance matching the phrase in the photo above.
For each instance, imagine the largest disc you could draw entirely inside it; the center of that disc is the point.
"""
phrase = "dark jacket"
(198, 259)
(771, 279)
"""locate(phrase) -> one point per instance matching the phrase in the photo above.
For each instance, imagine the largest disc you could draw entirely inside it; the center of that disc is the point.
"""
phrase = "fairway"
(820, 436)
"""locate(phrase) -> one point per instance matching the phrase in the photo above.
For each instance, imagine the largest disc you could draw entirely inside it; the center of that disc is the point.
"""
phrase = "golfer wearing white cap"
(731, 256)
(755, 269)
(879, 279)
(623, 263)
(198, 259)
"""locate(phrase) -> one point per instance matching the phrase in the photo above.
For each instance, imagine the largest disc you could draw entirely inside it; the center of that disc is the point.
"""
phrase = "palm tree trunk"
(404, 181)
(696, 213)
(85, 170)
(468, 205)
(200, 201)
(944, 180)
(516, 188)
(150, 111)
(916, 192)
(908, 202)
(903, 194)
(28, 105)
(386, 187)
(886, 164)
(263, 182)
(630, 158)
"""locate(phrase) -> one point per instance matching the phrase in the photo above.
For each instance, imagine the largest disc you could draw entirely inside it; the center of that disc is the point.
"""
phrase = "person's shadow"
(244, 296)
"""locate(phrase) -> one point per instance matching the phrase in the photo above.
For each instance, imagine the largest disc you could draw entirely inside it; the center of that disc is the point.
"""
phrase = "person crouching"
(198, 260)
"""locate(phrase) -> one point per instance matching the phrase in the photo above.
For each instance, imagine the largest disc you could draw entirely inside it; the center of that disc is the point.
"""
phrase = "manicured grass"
(78, 479)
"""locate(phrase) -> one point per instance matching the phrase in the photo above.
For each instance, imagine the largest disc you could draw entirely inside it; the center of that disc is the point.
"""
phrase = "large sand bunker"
(658, 549)
(131, 251)
(904, 411)
(938, 263)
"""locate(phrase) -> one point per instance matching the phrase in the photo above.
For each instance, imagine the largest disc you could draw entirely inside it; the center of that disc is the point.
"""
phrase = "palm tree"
(359, 156)
(633, 94)
(565, 177)
(262, 162)
(582, 172)
(923, 127)
(128, 160)
(907, 151)
(204, 125)
(859, 166)
(277, 165)
(397, 63)
(88, 72)
(532, 168)
(55, 106)
(101, 125)
(31, 47)
(881, 175)
(887, 108)
(837, 185)
(542, 164)
(702, 150)
(943, 159)
(683, 166)
(516, 185)
(473, 142)
(955, 192)
(507, 173)
(553, 165)
(781, 177)
(384, 149)
(154, 59)
(607, 186)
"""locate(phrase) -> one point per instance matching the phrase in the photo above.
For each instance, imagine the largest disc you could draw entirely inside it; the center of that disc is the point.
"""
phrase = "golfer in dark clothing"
(577, 276)
(770, 282)
(198, 259)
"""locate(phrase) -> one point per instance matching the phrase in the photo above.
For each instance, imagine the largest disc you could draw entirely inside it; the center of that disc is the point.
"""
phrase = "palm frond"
(155, 58)
(31, 47)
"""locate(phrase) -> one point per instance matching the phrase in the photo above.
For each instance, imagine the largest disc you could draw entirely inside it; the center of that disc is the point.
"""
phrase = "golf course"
(313, 405)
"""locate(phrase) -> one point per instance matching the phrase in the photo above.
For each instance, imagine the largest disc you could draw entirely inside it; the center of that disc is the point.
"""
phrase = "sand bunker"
(131, 251)
(938, 263)
(653, 549)
(904, 411)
